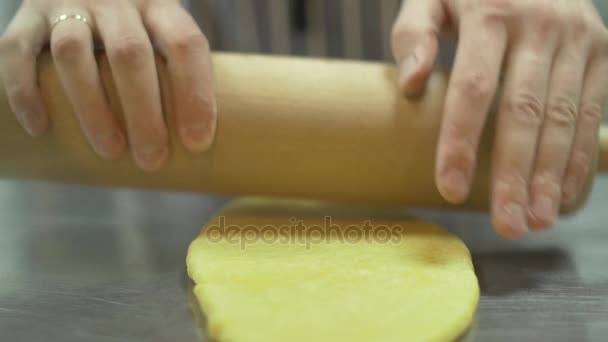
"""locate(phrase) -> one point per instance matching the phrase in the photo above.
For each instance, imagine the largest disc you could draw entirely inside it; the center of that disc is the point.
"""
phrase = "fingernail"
(110, 145)
(454, 185)
(512, 221)
(570, 190)
(151, 158)
(543, 209)
(197, 137)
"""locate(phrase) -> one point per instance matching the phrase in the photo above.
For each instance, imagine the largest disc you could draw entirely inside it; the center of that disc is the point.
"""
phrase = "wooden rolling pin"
(290, 127)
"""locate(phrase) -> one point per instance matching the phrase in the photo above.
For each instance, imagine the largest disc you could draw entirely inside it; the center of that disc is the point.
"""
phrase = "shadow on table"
(529, 295)
(200, 319)
(506, 273)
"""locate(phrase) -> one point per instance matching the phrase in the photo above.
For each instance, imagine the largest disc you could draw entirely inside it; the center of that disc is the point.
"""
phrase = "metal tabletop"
(88, 264)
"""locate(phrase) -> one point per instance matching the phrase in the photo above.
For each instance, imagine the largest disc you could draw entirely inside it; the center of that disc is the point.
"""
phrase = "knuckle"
(512, 184)
(458, 147)
(580, 164)
(544, 13)
(401, 32)
(494, 10)
(130, 51)
(580, 161)
(503, 5)
(545, 19)
(201, 102)
(563, 112)
(579, 25)
(461, 151)
(547, 182)
(475, 85)
(190, 43)
(404, 36)
(526, 108)
(68, 48)
(487, 5)
(592, 113)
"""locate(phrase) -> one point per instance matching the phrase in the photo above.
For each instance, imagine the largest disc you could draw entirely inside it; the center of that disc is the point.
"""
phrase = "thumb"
(415, 42)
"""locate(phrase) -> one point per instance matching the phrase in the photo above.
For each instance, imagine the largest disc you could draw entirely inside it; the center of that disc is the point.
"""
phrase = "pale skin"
(128, 29)
(551, 56)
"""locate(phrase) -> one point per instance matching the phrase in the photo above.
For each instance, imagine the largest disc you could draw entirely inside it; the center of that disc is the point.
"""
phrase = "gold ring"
(65, 17)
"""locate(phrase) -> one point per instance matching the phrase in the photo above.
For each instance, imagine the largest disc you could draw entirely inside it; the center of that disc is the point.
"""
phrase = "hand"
(555, 59)
(128, 31)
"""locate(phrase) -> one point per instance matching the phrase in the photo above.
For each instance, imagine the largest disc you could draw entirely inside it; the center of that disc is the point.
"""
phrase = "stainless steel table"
(85, 264)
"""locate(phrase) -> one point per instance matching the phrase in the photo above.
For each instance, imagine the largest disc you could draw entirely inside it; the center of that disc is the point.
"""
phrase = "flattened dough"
(258, 280)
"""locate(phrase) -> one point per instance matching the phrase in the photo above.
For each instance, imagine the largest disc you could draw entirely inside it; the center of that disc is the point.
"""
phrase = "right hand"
(549, 60)
(128, 29)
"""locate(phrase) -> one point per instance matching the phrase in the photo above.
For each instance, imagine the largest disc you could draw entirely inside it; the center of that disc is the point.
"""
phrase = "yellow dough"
(269, 270)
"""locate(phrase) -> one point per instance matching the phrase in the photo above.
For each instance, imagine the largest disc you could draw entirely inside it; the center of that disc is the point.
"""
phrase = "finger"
(471, 90)
(189, 63)
(19, 49)
(72, 49)
(415, 42)
(558, 131)
(518, 126)
(592, 106)
(133, 66)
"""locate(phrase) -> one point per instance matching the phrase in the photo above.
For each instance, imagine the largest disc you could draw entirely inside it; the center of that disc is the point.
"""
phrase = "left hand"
(130, 31)
(555, 56)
